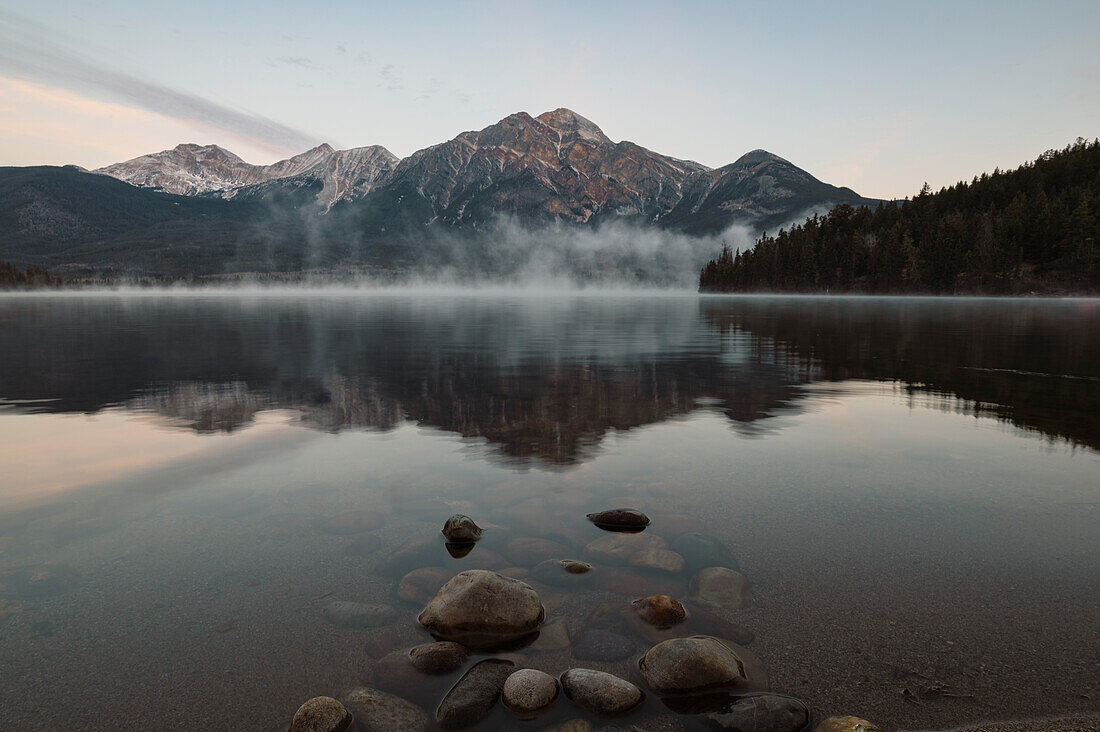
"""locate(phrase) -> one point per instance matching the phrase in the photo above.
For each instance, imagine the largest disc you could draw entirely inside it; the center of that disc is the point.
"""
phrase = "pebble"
(461, 529)
(561, 572)
(601, 645)
(482, 609)
(528, 692)
(660, 611)
(348, 614)
(474, 696)
(420, 585)
(439, 658)
(377, 710)
(620, 519)
(321, 714)
(846, 724)
(720, 587)
(691, 665)
(600, 692)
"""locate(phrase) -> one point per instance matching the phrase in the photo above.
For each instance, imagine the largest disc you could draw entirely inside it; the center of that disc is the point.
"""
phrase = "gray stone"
(528, 692)
(321, 714)
(357, 615)
(474, 696)
(461, 529)
(692, 665)
(377, 711)
(620, 519)
(600, 692)
(439, 658)
(482, 609)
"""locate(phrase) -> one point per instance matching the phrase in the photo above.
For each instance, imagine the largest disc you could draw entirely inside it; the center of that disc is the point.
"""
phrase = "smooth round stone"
(529, 551)
(720, 587)
(419, 585)
(561, 572)
(701, 550)
(665, 560)
(482, 609)
(355, 615)
(601, 645)
(474, 696)
(600, 692)
(461, 529)
(660, 611)
(321, 714)
(353, 522)
(691, 665)
(528, 692)
(620, 519)
(619, 548)
(440, 657)
(364, 545)
(846, 724)
(377, 710)
(575, 566)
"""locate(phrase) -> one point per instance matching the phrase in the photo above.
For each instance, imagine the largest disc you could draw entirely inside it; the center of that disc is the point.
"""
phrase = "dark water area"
(188, 482)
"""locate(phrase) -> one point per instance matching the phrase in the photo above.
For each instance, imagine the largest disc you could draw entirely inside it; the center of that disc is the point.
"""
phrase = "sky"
(879, 97)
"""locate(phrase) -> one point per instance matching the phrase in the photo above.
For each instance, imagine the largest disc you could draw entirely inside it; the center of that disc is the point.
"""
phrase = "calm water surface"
(187, 481)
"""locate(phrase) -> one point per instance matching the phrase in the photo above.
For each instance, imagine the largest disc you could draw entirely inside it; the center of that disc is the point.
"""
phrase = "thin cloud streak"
(27, 54)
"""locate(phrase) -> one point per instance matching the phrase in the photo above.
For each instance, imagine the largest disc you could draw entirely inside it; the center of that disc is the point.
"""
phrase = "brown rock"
(439, 658)
(600, 692)
(419, 585)
(620, 519)
(474, 696)
(691, 665)
(483, 609)
(660, 611)
(846, 724)
(377, 711)
(720, 587)
(665, 560)
(528, 692)
(461, 529)
(321, 714)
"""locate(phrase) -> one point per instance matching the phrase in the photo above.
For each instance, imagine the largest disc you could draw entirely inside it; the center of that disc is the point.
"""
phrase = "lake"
(190, 482)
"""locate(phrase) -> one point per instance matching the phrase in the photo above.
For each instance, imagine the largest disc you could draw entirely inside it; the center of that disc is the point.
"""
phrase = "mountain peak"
(758, 156)
(567, 121)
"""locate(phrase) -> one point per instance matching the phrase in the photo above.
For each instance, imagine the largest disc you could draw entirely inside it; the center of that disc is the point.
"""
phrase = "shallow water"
(912, 487)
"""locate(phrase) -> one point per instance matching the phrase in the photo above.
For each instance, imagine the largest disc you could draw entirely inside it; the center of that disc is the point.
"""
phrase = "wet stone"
(474, 696)
(691, 665)
(620, 519)
(575, 566)
(461, 529)
(560, 572)
(321, 714)
(651, 557)
(377, 710)
(439, 658)
(601, 645)
(600, 692)
(419, 585)
(352, 522)
(528, 692)
(754, 713)
(846, 724)
(619, 548)
(355, 615)
(701, 550)
(660, 611)
(720, 587)
(482, 609)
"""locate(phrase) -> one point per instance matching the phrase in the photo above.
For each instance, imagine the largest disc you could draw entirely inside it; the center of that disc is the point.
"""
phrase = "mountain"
(200, 209)
(191, 170)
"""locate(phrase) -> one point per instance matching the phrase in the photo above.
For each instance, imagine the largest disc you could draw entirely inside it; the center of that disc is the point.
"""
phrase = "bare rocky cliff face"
(557, 166)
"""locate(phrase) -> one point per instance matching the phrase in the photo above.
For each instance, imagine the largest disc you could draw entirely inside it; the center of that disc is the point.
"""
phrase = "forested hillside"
(1033, 229)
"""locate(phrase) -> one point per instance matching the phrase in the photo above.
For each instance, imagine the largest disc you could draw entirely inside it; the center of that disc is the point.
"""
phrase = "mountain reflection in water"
(542, 381)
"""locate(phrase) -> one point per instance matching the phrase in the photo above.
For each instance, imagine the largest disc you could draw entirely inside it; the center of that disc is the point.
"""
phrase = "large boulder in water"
(482, 609)
(692, 665)
(474, 696)
(461, 529)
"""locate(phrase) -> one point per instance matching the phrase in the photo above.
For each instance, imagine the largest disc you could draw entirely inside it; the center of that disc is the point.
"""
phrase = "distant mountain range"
(202, 210)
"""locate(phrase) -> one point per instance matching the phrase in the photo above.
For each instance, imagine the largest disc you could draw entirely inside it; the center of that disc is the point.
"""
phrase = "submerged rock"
(700, 551)
(474, 696)
(419, 585)
(691, 665)
(601, 645)
(619, 548)
(600, 692)
(413, 555)
(461, 529)
(660, 611)
(348, 614)
(321, 714)
(560, 572)
(440, 657)
(652, 557)
(846, 724)
(720, 587)
(528, 692)
(620, 519)
(745, 712)
(482, 609)
(377, 710)
(352, 522)
(575, 566)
